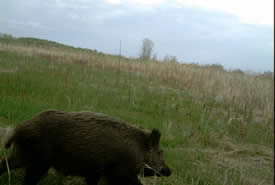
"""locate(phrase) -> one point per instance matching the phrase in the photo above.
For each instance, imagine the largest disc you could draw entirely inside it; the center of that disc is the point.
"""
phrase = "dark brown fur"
(84, 144)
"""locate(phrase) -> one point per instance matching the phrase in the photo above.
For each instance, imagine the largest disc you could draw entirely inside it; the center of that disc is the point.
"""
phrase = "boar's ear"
(154, 138)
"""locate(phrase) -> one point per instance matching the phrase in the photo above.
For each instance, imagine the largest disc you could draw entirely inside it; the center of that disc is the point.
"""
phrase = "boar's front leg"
(34, 174)
(125, 180)
(134, 181)
(92, 180)
(123, 175)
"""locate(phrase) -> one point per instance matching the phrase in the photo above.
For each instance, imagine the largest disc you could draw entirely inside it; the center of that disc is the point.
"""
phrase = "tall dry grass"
(252, 93)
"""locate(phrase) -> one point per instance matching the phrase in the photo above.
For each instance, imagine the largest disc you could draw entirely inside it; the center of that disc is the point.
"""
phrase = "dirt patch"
(254, 163)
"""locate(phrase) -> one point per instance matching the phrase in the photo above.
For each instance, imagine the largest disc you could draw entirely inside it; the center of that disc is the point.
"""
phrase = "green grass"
(205, 141)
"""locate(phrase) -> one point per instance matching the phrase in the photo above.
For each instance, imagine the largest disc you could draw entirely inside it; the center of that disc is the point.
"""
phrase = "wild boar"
(85, 144)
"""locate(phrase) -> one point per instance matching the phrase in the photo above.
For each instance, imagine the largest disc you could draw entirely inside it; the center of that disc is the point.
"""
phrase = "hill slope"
(217, 126)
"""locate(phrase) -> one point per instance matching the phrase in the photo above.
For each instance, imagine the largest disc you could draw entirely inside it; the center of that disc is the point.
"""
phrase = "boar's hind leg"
(34, 174)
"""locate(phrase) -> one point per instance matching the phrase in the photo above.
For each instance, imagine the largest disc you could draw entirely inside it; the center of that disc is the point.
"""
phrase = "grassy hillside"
(217, 126)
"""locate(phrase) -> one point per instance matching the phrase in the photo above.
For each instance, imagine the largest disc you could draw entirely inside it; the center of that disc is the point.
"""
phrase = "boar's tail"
(9, 142)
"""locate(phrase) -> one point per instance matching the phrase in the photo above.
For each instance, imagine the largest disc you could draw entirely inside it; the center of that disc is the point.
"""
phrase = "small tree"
(146, 49)
(154, 58)
(6, 36)
(170, 59)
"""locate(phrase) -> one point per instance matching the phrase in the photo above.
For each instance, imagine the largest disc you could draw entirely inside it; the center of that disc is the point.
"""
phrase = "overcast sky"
(234, 33)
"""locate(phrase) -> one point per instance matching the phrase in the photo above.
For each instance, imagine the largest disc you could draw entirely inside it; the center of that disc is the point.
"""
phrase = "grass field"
(217, 126)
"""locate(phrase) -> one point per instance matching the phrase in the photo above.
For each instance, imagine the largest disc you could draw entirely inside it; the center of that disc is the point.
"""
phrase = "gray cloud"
(190, 34)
